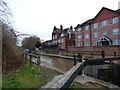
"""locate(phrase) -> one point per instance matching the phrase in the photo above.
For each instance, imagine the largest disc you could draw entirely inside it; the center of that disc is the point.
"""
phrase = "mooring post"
(38, 64)
(30, 60)
(103, 56)
(80, 57)
(74, 60)
(114, 54)
(25, 55)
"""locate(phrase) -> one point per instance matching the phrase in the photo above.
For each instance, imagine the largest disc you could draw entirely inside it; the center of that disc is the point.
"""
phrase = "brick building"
(100, 32)
(96, 34)
(61, 38)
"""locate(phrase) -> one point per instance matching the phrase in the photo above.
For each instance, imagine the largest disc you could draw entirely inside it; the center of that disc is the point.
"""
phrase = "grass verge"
(26, 77)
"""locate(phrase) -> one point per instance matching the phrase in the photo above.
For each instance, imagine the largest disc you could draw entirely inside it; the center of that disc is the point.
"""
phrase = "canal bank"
(56, 62)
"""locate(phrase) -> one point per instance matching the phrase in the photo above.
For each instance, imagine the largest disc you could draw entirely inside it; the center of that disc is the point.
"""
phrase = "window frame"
(79, 45)
(115, 20)
(86, 27)
(96, 34)
(95, 25)
(105, 23)
(79, 30)
(95, 43)
(116, 31)
(86, 35)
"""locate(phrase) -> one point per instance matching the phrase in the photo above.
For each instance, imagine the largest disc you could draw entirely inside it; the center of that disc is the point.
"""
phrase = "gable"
(104, 14)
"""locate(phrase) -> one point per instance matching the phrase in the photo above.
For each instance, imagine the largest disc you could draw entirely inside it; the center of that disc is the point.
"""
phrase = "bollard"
(114, 54)
(74, 60)
(80, 57)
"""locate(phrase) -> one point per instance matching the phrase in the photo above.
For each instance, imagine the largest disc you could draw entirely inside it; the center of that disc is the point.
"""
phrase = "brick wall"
(109, 50)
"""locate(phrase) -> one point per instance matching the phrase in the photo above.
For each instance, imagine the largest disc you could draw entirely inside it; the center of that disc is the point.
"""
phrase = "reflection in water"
(63, 64)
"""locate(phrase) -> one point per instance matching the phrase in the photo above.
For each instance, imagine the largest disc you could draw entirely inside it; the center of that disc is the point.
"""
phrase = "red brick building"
(101, 31)
(96, 34)
(61, 38)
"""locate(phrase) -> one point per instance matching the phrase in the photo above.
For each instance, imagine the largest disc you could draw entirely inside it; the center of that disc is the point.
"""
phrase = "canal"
(107, 72)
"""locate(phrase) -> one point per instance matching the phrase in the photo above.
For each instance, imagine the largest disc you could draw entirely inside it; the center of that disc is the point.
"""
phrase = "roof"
(91, 20)
(87, 22)
(117, 11)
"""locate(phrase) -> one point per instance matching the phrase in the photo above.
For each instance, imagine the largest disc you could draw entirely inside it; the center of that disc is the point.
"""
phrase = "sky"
(38, 17)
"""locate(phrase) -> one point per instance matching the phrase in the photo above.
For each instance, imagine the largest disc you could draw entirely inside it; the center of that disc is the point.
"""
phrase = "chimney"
(61, 28)
(71, 28)
(119, 5)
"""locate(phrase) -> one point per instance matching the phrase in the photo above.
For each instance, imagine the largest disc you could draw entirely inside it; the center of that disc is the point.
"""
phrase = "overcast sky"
(38, 17)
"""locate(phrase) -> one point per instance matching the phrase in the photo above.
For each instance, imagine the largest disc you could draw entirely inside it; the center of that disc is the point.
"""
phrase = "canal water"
(63, 64)
(107, 72)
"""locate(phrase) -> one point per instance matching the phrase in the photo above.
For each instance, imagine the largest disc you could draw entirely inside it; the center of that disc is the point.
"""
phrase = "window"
(62, 35)
(86, 44)
(115, 31)
(96, 34)
(95, 43)
(59, 40)
(96, 25)
(86, 35)
(79, 38)
(116, 42)
(105, 33)
(53, 42)
(104, 23)
(115, 20)
(86, 27)
(62, 47)
(79, 30)
(62, 40)
(53, 37)
(69, 35)
(79, 44)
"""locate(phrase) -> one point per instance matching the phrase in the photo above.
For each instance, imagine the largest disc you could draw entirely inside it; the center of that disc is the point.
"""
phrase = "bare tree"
(12, 56)
(31, 42)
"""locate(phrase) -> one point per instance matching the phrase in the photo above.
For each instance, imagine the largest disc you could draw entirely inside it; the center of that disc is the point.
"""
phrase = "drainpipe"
(90, 35)
(82, 36)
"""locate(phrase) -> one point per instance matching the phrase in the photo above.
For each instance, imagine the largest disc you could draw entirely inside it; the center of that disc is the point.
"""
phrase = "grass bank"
(89, 57)
(26, 77)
